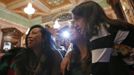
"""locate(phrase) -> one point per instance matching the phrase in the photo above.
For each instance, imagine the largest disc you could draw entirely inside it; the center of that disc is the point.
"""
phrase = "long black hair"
(94, 15)
(48, 46)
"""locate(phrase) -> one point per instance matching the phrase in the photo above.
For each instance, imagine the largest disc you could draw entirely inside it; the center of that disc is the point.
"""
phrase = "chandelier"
(29, 9)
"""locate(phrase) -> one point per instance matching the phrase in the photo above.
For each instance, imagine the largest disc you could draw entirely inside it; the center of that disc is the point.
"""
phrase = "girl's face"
(34, 38)
(79, 24)
(74, 34)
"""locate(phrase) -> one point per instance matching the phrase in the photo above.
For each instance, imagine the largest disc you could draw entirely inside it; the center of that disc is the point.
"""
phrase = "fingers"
(123, 49)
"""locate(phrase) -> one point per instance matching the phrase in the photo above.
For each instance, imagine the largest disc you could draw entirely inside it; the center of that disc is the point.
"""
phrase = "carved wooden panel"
(128, 8)
(11, 35)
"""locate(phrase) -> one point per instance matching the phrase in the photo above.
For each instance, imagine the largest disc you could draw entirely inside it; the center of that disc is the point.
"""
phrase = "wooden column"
(116, 6)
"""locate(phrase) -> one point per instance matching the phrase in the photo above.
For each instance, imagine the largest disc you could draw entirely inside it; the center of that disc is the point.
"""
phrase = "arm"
(65, 62)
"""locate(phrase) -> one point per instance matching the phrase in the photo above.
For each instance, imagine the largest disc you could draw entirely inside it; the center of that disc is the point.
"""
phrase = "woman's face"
(75, 35)
(34, 38)
(79, 24)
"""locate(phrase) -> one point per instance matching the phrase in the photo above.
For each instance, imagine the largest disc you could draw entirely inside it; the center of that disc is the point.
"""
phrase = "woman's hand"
(65, 63)
(123, 49)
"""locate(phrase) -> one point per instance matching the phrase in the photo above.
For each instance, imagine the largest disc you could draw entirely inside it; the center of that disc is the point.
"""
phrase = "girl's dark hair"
(46, 35)
(48, 45)
(93, 15)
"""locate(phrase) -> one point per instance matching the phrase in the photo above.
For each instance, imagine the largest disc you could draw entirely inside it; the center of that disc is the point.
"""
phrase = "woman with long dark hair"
(101, 34)
(40, 56)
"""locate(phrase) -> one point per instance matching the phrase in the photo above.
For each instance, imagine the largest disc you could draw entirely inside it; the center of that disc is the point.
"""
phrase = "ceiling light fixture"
(29, 9)
(56, 24)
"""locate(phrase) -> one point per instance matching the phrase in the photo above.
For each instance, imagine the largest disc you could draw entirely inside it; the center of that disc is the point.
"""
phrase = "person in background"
(56, 39)
(7, 65)
(41, 58)
(100, 32)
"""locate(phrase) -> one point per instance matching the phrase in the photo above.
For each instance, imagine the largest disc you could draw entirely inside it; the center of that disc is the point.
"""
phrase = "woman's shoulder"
(22, 53)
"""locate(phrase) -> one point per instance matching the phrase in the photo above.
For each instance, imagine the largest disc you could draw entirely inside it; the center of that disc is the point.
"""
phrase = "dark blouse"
(28, 64)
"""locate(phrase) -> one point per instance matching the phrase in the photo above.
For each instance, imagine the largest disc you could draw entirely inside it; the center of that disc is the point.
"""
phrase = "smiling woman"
(100, 34)
(40, 56)
(34, 38)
